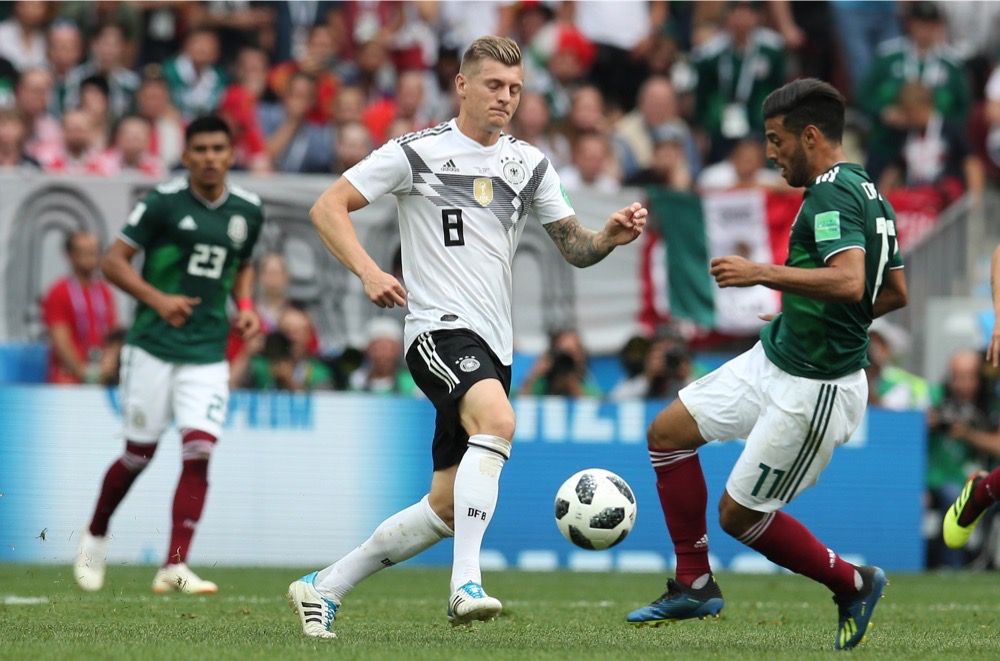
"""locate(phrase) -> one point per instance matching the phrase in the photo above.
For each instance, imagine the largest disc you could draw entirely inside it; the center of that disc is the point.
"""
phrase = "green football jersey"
(841, 209)
(191, 248)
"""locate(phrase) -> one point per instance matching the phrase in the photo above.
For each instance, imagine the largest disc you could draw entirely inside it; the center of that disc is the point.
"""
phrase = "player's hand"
(175, 308)
(384, 290)
(625, 225)
(247, 325)
(734, 271)
(993, 348)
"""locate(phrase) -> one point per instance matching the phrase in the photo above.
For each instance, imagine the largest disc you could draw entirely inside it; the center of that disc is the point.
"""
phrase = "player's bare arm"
(993, 349)
(331, 218)
(117, 268)
(583, 247)
(893, 294)
(842, 281)
(247, 321)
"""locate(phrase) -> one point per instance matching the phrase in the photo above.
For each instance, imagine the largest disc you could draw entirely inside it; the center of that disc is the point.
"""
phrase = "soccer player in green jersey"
(801, 391)
(197, 234)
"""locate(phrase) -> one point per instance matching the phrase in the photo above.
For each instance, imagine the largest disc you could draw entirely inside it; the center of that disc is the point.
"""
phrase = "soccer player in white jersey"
(464, 190)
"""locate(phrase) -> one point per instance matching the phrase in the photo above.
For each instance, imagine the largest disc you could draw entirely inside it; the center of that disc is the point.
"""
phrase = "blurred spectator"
(669, 166)
(623, 33)
(889, 385)
(588, 171)
(22, 36)
(587, 114)
(92, 16)
(129, 152)
(963, 438)
(294, 20)
(95, 99)
(922, 55)
(237, 24)
(79, 313)
(557, 61)
(736, 69)
(973, 28)
(936, 152)
(562, 370)
(744, 167)
(407, 105)
(77, 152)
(163, 27)
(532, 124)
(31, 99)
(635, 133)
(383, 371)
(666, 369)
(375, 73)
(353, 144)
(196, 81)
(349, 105)
(239, 108)
(252, 69)
(860, 26)
(272, 290)
(153, 104)
(317, 61)
(442, 101)
(107, 53)
(65, 50)
(294, 143)
(285, 362)
(13, 134)
(992, 113)
(459, 22)
(110, 365)
(8, 81)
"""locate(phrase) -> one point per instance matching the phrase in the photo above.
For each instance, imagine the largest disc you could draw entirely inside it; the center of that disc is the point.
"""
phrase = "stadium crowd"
(616, 94)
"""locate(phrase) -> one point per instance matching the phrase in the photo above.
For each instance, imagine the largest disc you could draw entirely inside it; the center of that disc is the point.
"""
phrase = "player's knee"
(659, 437)
(137, 456)
(734, 519)
(444, 507)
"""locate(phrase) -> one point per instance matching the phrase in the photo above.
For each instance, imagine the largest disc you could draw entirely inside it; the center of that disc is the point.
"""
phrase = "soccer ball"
(595, 509)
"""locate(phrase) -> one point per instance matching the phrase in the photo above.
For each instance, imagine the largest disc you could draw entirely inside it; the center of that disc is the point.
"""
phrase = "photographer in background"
(963, 437)
(562, 370)
(668, 368)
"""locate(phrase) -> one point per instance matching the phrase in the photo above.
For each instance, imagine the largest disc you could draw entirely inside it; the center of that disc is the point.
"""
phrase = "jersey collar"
(210, 205)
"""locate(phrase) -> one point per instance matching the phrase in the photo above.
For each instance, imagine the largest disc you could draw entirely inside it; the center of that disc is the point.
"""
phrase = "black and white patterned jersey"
(462, 209)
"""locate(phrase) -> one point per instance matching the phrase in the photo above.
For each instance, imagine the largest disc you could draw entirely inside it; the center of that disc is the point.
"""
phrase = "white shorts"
(154, 393)
(791, 424)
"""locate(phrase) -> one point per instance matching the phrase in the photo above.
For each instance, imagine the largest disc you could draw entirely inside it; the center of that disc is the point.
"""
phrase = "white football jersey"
(462, 208)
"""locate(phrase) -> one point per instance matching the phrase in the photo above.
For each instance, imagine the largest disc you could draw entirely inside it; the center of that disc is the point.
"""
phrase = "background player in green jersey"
(197, 234)
(801, 391)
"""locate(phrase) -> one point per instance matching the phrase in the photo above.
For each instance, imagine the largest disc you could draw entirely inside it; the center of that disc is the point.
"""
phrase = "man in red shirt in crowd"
(79, 312)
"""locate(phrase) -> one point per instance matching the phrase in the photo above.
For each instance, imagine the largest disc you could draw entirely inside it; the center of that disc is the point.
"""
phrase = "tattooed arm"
(582, 247)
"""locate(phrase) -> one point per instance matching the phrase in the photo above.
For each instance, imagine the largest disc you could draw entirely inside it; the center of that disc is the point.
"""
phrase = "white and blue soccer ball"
(595, 509)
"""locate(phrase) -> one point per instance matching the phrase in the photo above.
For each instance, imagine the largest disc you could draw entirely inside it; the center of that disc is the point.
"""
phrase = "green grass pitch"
(400, 614)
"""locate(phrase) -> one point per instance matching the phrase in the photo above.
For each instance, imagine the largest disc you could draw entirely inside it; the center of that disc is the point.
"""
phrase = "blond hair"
(491, 47)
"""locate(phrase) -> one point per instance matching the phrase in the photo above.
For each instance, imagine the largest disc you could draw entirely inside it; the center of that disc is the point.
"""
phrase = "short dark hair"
(207, 124)
(808, 101)
(99, 82)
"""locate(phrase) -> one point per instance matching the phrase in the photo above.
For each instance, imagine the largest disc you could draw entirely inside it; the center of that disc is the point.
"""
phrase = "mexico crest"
(237, 229)
(482, 190)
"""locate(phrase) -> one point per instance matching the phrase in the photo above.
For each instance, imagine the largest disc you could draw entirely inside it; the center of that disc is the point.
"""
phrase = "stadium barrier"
(301, 479)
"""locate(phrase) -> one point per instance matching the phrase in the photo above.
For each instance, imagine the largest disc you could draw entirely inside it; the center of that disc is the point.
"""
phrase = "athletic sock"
(189, 501)
(784, 541)
(984, 495)
(117, 481)
(398, 538)
(477, 485)
(680, 485)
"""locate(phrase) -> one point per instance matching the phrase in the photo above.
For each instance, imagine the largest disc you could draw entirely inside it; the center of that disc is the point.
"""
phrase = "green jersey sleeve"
(143, 223)
(258, 222)
(835, 214)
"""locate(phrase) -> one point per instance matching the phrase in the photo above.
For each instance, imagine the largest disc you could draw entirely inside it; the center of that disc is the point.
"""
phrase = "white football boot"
(315, 611)
(88, 569)
(179, 578)
(470, 602)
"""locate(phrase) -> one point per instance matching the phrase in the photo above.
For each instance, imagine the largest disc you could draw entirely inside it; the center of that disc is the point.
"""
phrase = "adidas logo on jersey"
(187, 223)
(449, 166)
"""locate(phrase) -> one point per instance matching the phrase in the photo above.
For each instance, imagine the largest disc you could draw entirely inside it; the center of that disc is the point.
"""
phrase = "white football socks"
(477, 484)
(398, 538)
